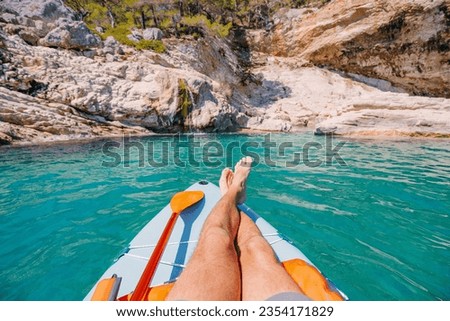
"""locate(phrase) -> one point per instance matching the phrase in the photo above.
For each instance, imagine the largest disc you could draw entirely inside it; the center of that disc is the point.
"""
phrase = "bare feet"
(225, 180)
(236, 182)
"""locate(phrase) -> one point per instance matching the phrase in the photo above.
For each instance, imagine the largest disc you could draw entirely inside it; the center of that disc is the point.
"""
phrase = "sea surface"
(372, 215)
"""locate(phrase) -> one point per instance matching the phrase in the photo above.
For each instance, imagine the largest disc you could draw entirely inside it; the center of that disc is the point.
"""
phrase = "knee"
(257, 247)
(218, 238)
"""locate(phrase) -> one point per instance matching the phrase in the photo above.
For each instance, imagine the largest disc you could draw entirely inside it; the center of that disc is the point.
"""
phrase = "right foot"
(239, 183)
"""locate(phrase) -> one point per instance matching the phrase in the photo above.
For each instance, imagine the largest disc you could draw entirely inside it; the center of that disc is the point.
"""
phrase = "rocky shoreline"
(343, 69)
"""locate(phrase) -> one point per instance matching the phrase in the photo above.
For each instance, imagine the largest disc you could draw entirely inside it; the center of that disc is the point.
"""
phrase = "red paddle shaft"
(150, 269)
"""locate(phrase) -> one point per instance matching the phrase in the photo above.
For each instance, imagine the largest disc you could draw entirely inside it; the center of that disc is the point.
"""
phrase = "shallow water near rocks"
(378, 225)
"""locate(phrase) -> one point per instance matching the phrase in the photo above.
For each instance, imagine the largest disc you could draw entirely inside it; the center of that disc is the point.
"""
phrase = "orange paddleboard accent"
(104, 289)
(157, 293)
(311, 282)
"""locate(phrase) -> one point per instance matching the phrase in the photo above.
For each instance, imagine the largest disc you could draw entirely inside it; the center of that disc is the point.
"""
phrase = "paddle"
(178, 203)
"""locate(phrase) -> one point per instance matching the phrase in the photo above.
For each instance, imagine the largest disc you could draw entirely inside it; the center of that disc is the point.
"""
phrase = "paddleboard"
(183, 240)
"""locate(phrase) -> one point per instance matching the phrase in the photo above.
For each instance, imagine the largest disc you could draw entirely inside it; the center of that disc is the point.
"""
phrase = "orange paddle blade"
(183, 200)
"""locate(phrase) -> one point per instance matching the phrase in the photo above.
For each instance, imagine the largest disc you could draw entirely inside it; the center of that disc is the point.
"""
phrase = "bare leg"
(213, 271)
(262, 275)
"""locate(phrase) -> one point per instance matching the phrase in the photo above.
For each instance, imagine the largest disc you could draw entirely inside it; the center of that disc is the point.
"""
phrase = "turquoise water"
(378, 227)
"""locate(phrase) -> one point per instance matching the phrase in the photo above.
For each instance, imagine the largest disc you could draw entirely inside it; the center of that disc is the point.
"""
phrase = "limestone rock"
(370, 57)
(28, 29)
(47, 10)
(111, 42)
(242, 120)
(27, 119)
(71, 35)
(404, 42)
(422, 121)
(152, 34)
(330, 103)
(139, 89)
(5, 139)
(135, 35)
(29, 35)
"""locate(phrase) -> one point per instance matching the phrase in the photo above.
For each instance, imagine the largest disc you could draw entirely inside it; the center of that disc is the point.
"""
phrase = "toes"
(229, 177)
(247, 161)
(224, 175)
(238, 164)
(244, 162)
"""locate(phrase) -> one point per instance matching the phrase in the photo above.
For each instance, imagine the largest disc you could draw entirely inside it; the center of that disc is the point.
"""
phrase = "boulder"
(110, 42)
(152, 34)
(133, 37)
(71, 35)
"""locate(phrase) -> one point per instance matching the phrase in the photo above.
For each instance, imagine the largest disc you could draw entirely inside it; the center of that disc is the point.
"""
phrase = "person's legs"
(262, 275)
(213, 271)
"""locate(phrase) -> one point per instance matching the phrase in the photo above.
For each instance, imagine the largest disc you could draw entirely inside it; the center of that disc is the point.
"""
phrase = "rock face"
(134, 89)
(329, 103)
(348, 68)
(24, 118)
(112, 86)
(404, 42)
(47, 23)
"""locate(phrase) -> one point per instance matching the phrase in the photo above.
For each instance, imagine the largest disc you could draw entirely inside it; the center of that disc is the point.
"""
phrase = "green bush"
(165, 24)
(155, 45)
(97, 15)
(202, 21)
(121, 32)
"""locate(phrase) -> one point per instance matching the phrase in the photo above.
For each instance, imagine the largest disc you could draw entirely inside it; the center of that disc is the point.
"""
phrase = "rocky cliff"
(49, 59)
(357, 67)
(404, 42)
(349, 68)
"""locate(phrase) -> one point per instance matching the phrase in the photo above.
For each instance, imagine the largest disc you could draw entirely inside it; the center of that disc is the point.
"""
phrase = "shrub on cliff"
(201, 21)
(155, 45)
(121, 32)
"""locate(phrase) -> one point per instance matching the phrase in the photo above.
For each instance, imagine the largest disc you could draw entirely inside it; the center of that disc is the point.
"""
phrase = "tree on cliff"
(146, 8)
(177, 17)
(84, 8)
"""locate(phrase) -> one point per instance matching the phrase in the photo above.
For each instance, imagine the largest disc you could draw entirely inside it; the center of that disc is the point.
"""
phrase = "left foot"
(225, 180)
